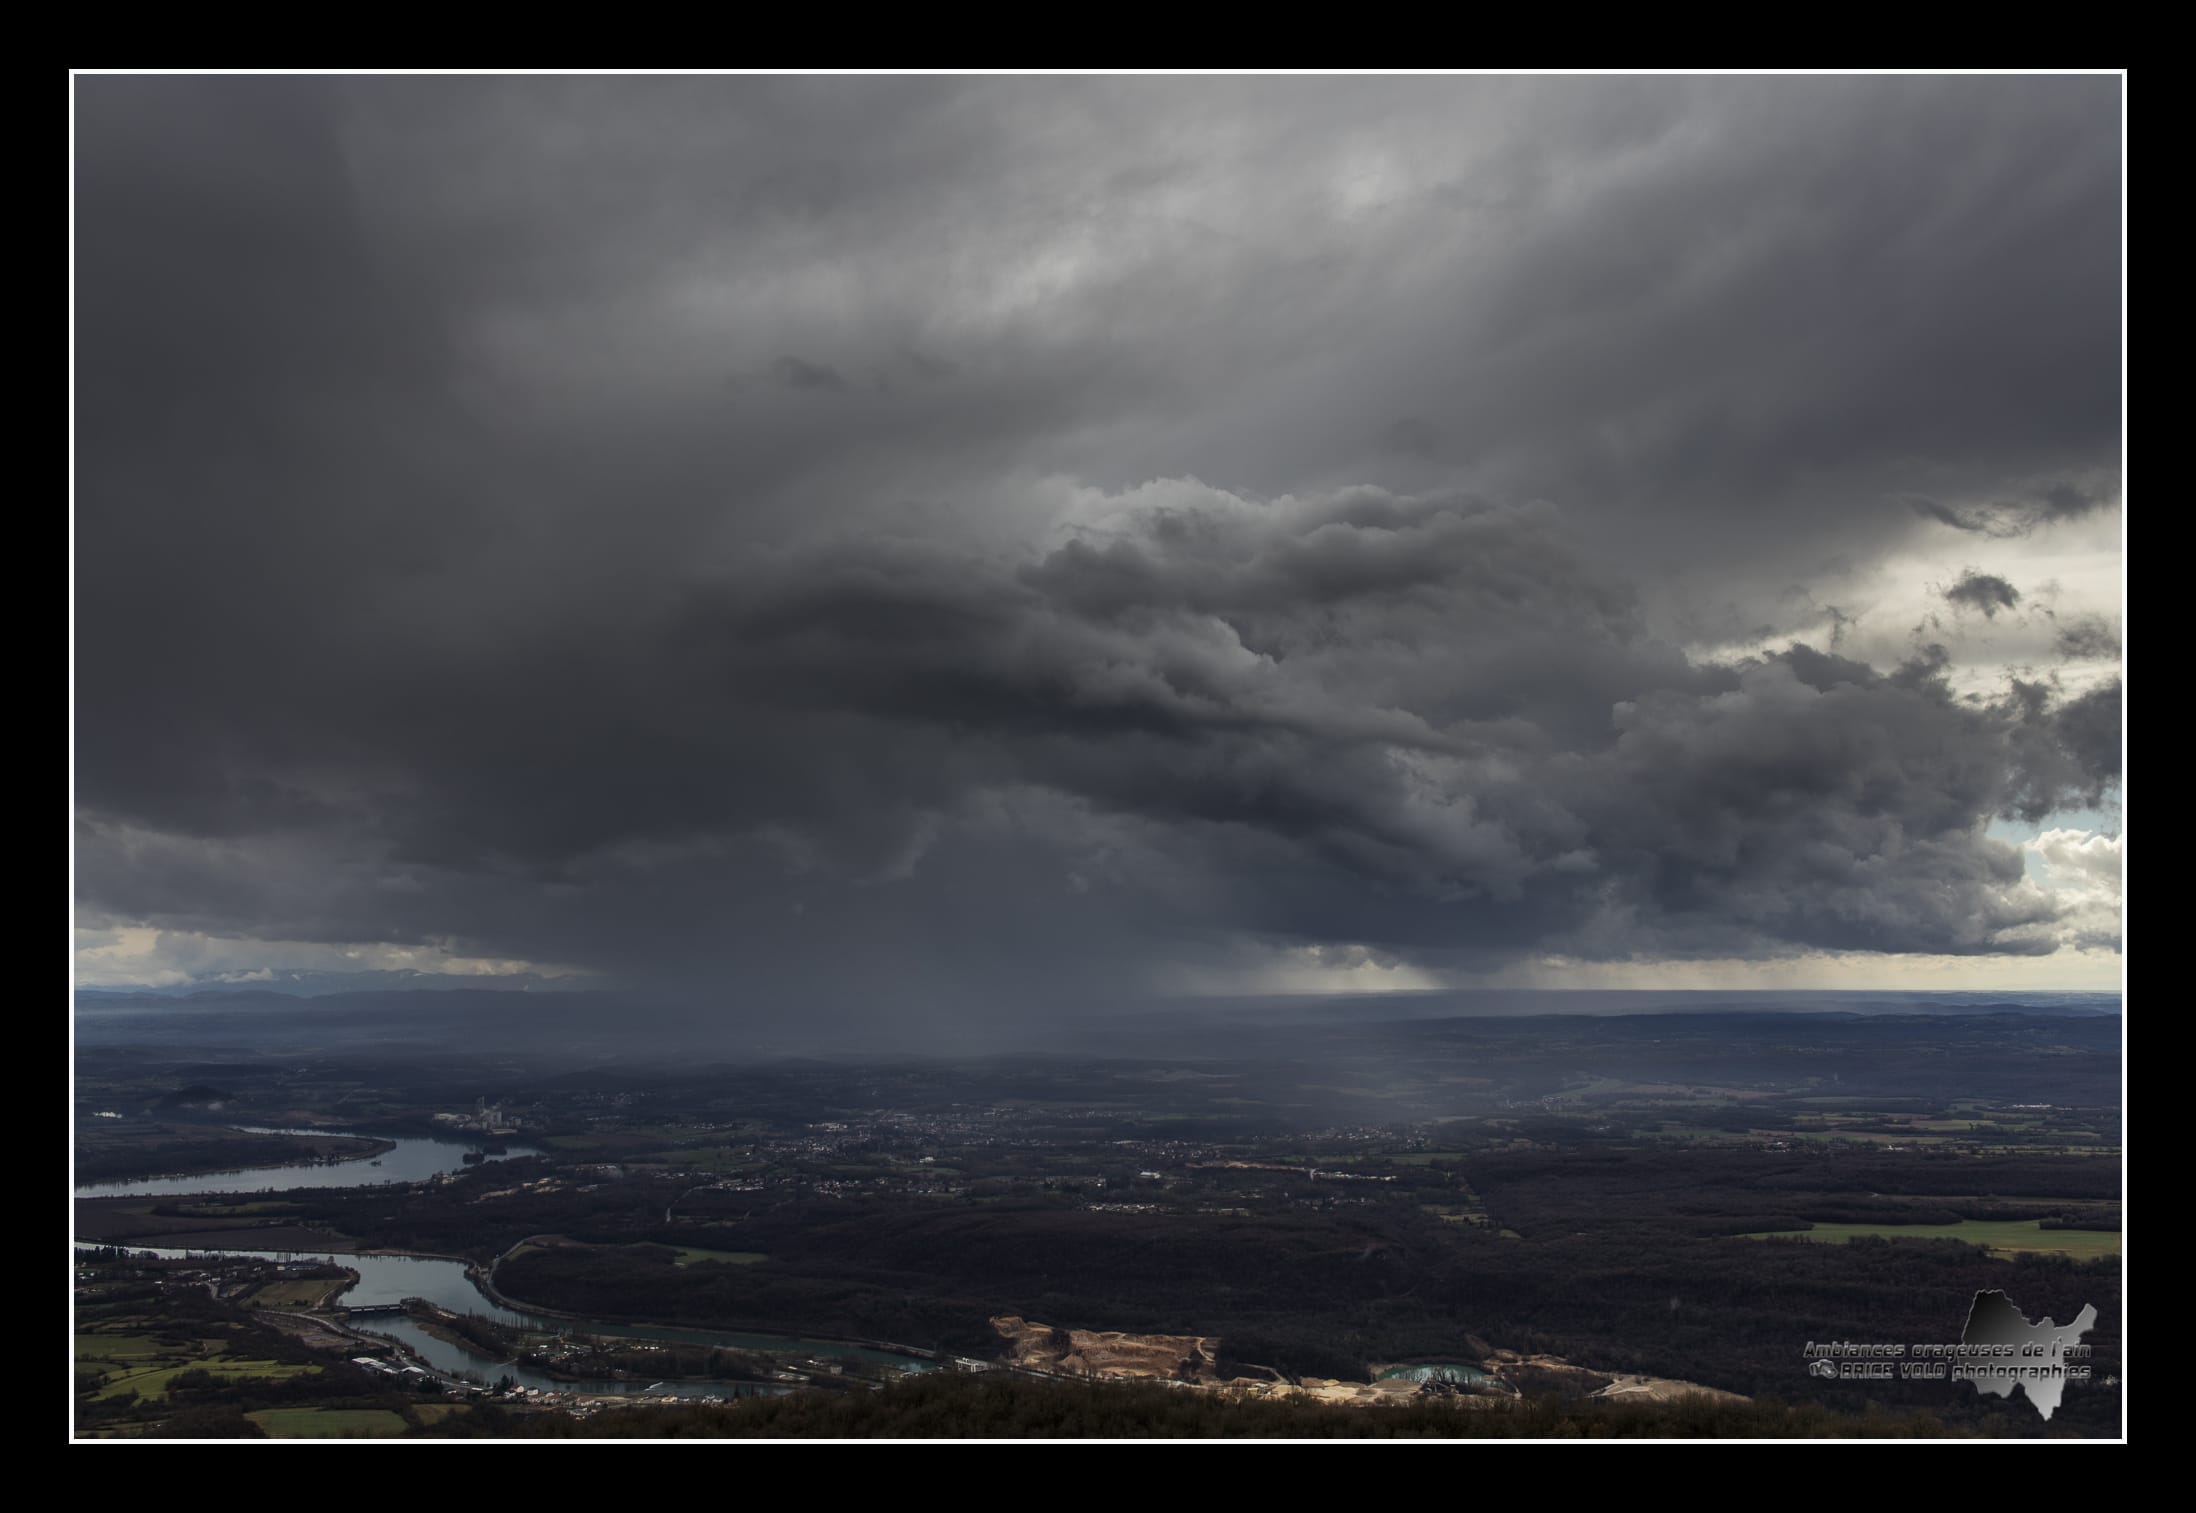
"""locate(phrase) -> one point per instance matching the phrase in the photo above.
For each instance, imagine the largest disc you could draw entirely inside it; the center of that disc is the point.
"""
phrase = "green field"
(715, 1158)
(327, 1423)
(607, 1142)
(145, 1364)
(435, 1413)
(114, 1360)
(304, 1294)
(1997, 1234)
(1871, 1137)
(1454, 1213)
(1838, 1100)
(689, 1254)
(154, 1383)
(118, 1348)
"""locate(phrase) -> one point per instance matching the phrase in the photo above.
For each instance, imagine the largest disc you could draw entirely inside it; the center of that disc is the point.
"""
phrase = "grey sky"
(953, 538)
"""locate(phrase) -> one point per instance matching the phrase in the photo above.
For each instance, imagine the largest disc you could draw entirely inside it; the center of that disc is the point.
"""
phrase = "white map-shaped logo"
(2039, 1362)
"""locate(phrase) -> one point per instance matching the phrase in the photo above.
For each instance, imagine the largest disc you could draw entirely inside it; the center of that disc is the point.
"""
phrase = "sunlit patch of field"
(689, 1255)
(1450, 1214)
(327, 1423)
(1996, 1234)
(152, 1381)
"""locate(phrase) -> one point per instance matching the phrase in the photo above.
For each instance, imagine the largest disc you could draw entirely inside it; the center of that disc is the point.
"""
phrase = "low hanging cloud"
(1984, 591)
(2088, 638)
(2049, 504)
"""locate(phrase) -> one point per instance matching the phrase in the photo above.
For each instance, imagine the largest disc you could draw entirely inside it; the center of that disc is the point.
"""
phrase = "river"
(415, 1159)
(387, 1280)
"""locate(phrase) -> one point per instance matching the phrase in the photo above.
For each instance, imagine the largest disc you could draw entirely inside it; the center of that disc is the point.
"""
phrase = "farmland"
(112, 1361)
(2016, 1236)
(328, 1423)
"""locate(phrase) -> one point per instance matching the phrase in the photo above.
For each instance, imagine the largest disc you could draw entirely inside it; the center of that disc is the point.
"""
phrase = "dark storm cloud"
(795, 373)
(2004, 519)
(435, 586)
(1979, 521)
(2065, 501)
(1420, 724)
(2066, 751)
(2088, 638)
(1984, 591)
(2088, 730)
